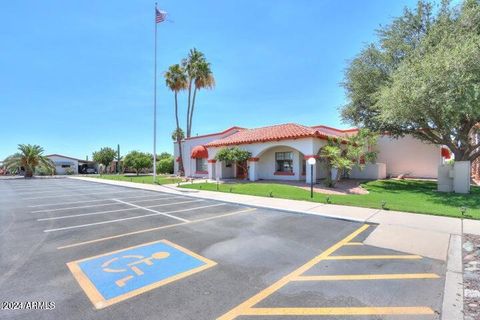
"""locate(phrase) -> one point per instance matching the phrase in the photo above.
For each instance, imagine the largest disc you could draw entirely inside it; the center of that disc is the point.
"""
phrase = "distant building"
(69, 165)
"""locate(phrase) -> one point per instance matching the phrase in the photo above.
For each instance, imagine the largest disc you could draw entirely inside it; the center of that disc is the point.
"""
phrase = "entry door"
(241, 172)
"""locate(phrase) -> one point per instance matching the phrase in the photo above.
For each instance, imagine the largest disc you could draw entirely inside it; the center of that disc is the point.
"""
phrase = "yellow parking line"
(369, 277)
(248, 304)
(336, 311)
(154, 229)
(363, 257)
(353, 244)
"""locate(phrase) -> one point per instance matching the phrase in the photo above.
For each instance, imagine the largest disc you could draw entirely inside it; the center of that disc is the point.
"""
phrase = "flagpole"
(155, 103)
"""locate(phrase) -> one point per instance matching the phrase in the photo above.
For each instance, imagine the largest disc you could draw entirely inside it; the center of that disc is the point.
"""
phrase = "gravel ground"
(471, 278)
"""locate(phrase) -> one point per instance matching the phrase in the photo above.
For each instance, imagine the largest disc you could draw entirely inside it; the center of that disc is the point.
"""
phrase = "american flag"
(160, 15)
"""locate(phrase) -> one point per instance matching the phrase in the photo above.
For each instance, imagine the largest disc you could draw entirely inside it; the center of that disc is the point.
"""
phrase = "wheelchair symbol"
(133, 265)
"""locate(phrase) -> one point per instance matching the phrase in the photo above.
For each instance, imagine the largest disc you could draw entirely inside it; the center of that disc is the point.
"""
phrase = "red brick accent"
(212, 161)
(254, 159)
(310, 156)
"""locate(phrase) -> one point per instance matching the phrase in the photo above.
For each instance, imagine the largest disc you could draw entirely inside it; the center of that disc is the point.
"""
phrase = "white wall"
(187, 147)
(409, 156)
(371, 171)
(267, 165)
(59, 161)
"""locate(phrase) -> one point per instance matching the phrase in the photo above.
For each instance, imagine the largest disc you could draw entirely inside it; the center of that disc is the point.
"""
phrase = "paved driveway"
(83, 250)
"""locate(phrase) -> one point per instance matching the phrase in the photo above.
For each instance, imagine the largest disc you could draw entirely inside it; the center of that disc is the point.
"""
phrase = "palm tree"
(176, 80)
(203, 80)
(29, 157)
(199, 77)
(190, 64)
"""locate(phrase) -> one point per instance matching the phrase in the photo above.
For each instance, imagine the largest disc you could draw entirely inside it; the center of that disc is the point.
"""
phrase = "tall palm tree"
(190, 64)
(203, 80)
(29, 157)
(176, 80)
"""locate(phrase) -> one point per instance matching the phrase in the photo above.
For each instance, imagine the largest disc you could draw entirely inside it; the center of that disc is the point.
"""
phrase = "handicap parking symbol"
(115, 276)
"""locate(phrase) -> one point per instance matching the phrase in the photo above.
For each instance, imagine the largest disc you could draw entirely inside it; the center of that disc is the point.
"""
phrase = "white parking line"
(116, 210)
(155, 229)
(148, 200)
(157, 213)
(99, 205)
(78, 207)
(97, 200)
(77, 195)
(147, 208)
(64, 190)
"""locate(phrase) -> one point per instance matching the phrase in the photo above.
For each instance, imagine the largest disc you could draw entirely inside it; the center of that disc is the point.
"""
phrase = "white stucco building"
(69, 165)
(64, 163)
(281, 152)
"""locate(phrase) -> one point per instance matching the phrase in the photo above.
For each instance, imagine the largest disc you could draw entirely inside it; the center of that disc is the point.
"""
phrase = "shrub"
(43, 171)
(165, 166)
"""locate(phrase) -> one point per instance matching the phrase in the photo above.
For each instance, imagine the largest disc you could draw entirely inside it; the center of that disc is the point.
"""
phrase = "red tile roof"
(279, 132)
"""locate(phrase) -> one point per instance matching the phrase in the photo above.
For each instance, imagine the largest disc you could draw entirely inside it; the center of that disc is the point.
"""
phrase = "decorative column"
(211, 169)
(308, 169)
(253, 169)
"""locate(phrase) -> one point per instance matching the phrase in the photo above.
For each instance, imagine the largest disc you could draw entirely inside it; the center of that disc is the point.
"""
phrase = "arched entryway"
(278, 162)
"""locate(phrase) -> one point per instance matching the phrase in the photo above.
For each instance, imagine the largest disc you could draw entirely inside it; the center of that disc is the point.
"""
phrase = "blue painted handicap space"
(115, 276)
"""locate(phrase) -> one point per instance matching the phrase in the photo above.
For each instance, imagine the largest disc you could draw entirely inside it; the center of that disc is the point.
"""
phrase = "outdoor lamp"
(311, 161)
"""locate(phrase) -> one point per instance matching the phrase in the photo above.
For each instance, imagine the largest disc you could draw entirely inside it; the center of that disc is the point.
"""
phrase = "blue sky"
(78, 75)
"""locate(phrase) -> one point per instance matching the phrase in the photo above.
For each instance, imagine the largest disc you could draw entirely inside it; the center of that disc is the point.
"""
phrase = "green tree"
(200, 76)
(178, 134)
(165, 165)
(176, 81)
(235, 155)
(29, 157)
(346, 154)
(104, 156)
(422, 78)
(138, 161)
(165, 155)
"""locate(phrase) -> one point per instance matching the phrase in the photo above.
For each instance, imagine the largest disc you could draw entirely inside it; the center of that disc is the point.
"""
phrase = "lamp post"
(311, 162)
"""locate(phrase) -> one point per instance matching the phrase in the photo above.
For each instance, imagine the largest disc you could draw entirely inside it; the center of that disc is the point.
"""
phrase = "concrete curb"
(452, 308)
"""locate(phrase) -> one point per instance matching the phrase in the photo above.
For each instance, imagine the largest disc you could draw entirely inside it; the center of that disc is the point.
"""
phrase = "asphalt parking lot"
(98, 251)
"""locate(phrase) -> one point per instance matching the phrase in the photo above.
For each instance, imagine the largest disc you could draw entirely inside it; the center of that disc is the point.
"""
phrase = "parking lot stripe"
(337, 311)
(247, 307)
(373, 257)
(162, 213)
(394, 276)
(117, 210)
(148, 200)
(154, 229)
(157, 213)
(77, 207)
(73, 193)
(85, 201)
(98, 205)
(60, 190)
(248, 304)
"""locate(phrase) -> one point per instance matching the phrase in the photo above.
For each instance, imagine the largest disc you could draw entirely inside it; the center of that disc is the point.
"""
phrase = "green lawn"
(139, 179)
(402, 195)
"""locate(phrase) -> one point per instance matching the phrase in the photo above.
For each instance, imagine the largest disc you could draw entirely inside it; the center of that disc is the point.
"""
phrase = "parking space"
(101, 252)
